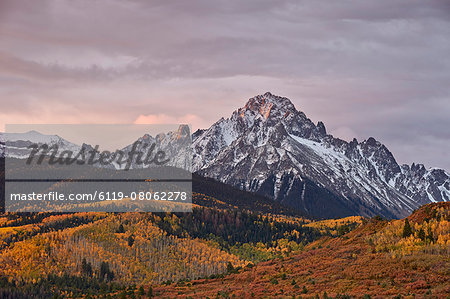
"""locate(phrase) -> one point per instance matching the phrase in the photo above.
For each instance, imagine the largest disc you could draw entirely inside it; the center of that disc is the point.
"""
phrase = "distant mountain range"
(16, 145)
(269, 147)
(176, 146)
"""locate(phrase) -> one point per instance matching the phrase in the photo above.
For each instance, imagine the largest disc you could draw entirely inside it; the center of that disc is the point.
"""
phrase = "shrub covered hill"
(409, 258)
(224, 248)
(98, 254)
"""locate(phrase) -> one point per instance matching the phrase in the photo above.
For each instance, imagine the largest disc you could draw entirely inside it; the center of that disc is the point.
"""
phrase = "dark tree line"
(229, 227)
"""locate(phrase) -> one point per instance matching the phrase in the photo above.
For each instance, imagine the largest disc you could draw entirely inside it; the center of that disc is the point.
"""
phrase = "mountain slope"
(271, 148)
(211, 193)
(374, 260)
(16, 145)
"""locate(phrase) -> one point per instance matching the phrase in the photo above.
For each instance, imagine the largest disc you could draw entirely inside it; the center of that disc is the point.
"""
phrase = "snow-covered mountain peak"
(17, 145)
(270, 147)
(31, 136)
(267, 106)
(183, 132)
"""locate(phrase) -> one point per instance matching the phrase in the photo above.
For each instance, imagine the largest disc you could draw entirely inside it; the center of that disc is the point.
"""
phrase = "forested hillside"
(408, 258)
(221, 249)
(78, 254)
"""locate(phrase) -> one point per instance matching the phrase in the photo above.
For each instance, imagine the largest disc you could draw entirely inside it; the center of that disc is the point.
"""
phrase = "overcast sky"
(365, 68)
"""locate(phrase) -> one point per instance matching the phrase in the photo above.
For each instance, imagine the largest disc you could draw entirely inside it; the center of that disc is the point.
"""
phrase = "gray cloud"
(369, 68)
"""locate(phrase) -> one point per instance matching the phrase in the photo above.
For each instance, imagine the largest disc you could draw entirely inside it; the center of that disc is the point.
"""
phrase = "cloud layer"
(365, 68)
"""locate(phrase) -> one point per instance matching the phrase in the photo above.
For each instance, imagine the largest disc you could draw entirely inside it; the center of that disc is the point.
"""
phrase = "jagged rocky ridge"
(175, 145)
(271, 148)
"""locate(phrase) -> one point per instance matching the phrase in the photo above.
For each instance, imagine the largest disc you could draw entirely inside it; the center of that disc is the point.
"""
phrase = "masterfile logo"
(40, 151)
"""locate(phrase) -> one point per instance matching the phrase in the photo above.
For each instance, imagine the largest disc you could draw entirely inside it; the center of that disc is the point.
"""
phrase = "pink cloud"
(162, 118)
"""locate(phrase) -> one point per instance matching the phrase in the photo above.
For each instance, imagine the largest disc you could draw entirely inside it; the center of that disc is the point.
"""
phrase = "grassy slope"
(350, 265)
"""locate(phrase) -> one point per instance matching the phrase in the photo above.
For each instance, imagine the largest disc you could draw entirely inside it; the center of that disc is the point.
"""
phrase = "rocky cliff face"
(271, 148)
